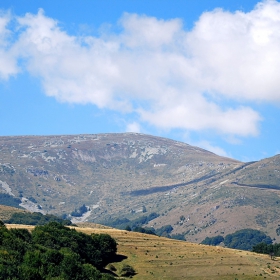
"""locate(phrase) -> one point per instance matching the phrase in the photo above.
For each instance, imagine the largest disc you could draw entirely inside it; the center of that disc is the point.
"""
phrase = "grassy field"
(161, 258)
(6, 212)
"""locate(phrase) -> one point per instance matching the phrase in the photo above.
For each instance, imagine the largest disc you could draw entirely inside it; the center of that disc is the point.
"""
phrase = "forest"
(35, 218)
(244, 239)
(270, 249)
(53, 251)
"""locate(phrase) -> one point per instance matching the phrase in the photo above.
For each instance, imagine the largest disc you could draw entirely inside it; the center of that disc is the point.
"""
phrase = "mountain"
(103, 177)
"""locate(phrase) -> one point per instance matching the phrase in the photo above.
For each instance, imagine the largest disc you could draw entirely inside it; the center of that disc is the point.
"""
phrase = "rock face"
(119, 175)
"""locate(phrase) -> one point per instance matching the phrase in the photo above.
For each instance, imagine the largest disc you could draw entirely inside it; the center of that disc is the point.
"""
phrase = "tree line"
(271, 249)
(35, 218)
(244, 239)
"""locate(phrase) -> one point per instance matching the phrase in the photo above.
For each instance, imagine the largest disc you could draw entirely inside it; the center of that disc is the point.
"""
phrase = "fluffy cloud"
(170, 77)
(214, 149)
(238, 54)
(8, 60)
(133, 127)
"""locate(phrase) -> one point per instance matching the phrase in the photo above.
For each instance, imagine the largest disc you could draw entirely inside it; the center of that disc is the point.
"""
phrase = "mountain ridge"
(128, 174)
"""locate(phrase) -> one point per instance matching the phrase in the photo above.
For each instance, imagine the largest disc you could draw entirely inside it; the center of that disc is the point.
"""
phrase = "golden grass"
(161, 258)
(6, 212)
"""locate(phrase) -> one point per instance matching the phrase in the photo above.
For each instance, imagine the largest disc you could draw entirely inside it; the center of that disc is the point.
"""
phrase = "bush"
(79, 213)
(127, 271)
(112, 267)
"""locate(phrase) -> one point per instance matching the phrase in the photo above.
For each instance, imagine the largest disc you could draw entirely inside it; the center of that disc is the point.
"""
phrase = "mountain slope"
(124, 175)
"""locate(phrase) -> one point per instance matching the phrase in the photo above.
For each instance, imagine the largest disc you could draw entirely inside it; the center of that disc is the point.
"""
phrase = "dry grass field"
(6, 212)
(161, 258)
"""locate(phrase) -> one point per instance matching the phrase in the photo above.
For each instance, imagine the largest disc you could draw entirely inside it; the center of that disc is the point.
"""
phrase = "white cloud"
(133, 127)
(238, 53)
(8, 60)
(212, 148)
(195, 113)
(170, 77)
(148, 32)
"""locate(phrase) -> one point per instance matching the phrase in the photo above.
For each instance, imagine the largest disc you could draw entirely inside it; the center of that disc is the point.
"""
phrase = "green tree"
(213, 241)
(54, 251)
(29, 268)
(245, 239)
(71, 266)
(90, 272)
(105, 244)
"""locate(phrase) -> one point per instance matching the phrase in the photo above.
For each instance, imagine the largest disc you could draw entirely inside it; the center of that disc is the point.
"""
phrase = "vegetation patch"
(54, 251)
(123, 223)
(127, 271)
(245, 239)
(35, 218)
(214, 241)
(79, 213)
(9, 200)
(270, 249)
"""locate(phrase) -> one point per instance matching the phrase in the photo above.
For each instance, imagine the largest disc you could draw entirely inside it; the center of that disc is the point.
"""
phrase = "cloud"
(143, 32)
(238, 53)
(8, 60)
(202, 79)
(198, 114)
(214, 149)
(133, 127)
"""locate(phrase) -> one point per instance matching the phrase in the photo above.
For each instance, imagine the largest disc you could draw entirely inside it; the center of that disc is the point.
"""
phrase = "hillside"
(6, 212)
(161, 258)
(130, 175)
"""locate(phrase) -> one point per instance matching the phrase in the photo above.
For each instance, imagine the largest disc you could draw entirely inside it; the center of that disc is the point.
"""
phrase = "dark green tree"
(213, 241)
(245, 239)
(53, 251)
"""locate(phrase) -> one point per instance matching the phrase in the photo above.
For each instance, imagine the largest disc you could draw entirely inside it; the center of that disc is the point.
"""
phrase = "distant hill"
(99, 178)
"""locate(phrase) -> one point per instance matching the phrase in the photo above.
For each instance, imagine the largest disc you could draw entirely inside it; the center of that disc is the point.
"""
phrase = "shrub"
(127, 271)
(79, 213)
(112, 267)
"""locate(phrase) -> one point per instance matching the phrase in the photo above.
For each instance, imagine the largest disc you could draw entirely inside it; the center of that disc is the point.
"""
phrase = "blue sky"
(202, 72)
